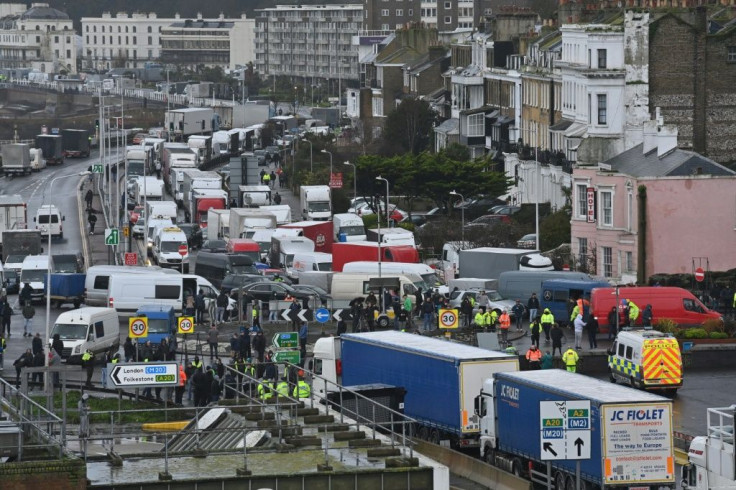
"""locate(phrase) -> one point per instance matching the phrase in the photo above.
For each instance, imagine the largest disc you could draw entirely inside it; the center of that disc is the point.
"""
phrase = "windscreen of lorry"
(18, 259)
(44, 218)
(135, 168)
(158, 325)
(33, 275)
(352, 230)
(432, 279)
(318, 206)
(70, 331)
(241, 264)
(254, 256)
(324, 266)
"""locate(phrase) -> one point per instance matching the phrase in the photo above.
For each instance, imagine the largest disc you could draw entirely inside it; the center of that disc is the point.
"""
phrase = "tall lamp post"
(388, 213)
(311, 157)
(355, 180)
(47, 383)
(462, 213)
(329, 153)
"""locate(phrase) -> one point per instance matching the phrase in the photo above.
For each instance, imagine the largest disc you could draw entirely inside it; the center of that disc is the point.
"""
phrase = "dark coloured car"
(12, 281)
(267, 291)
(489, 220)
(324, 296)
(193, 233)
(215, 246)
(505, 210)
(235, 281)
(479, 207)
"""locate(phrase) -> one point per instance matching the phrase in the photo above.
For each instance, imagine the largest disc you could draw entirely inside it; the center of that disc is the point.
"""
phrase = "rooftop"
(676, 163)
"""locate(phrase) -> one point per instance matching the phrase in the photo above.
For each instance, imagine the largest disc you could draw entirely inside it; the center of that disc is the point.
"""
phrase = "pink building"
(689, 211)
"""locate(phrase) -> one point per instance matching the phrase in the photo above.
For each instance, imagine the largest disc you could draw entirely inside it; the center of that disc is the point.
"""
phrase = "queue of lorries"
(50, 149)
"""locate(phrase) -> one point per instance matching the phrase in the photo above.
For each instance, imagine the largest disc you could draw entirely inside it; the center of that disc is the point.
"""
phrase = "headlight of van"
(78, 349)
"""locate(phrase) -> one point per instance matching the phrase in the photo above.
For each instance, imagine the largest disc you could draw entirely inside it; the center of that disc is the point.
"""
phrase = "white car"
(495, 300)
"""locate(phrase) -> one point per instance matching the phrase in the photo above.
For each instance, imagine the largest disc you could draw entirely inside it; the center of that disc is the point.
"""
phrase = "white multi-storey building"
(40, 38)
(311, 41)
(131, 41)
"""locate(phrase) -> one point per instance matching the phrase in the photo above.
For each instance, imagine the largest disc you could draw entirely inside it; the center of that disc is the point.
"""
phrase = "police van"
(166, 245)
(646, 359)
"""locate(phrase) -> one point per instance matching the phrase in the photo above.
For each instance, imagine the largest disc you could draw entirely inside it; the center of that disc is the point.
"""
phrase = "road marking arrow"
(579, 444)
(548, 447)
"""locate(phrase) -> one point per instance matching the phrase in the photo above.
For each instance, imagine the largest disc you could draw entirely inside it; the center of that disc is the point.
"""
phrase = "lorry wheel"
(423, 433)
(489, 456)
(516, 467)
(570, 482)
(434, 436)
(560, 481)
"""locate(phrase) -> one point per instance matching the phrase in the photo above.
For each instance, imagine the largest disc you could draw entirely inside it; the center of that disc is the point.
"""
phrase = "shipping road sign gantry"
(564, 429)
(144, 374)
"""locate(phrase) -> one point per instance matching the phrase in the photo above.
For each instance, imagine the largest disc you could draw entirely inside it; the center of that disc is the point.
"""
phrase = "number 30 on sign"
(448, 318)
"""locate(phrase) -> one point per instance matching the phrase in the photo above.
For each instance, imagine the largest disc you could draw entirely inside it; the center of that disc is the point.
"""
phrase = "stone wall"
(32, 475)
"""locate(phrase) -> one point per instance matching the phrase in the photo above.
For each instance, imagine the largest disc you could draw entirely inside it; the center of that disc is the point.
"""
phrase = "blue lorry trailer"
(630, 432)
(441, 378)
(161, 322)
(67, 288)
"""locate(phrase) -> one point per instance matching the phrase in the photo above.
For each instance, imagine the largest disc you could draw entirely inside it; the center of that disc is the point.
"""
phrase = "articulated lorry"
(201, 201)
(244, 220)
(199, 179)
(711, 458)
(52, 148)
(75, 143)
(441, 378)
(621, 437)
(191, 120)
(344, 252)
(136, 161)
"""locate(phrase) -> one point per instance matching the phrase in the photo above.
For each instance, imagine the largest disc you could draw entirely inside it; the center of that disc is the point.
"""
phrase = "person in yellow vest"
(504, 323)
(472, 300)
(570, 358)
(88, 362)
(282, 389)
(633, 313)
(534, 357)
(301, 390)
(547, 320)
(491, 319)
(479, 318)
(265, 390)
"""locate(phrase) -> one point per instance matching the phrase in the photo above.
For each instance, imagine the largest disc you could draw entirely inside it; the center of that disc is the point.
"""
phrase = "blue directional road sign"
(322, 315)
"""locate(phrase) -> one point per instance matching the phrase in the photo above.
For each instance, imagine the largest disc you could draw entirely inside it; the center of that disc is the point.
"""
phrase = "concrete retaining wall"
(32, 475)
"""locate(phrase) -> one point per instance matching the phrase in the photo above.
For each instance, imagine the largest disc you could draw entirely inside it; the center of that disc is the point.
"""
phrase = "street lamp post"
(311, 157)
(355, 180)
(329, 153)
(462, 212)
(388, 213)
(47, 384)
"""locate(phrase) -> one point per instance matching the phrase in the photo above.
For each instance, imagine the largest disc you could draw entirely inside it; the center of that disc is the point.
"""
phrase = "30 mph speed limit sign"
(186, 324)
(448, 318)
(138, 327)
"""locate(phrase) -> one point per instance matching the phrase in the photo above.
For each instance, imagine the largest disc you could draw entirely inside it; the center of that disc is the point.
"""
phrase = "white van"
(48, 220)
(35, 271)
(430, 277)
(96, 329)
(97, 282)
(348, 227)
(153, 226)
(311, 261)
(129, 291)
(347, 286)
(37, 160)
(166, 248)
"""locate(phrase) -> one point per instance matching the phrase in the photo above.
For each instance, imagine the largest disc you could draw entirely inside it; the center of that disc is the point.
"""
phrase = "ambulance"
(166, 246)
(646, 359)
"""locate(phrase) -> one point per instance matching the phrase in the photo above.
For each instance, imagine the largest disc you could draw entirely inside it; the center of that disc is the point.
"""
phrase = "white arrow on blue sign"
(322, 315)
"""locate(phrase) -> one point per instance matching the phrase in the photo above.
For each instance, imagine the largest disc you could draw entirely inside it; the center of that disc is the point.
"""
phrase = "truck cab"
(161, 322)
(711, 458)
(326, 365)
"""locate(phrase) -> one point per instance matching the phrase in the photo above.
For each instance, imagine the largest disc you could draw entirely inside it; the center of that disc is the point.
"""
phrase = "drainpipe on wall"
(641, 255)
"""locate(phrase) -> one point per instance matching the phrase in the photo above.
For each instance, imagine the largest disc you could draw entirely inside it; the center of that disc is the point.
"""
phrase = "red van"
(676, 304)
(244, 246)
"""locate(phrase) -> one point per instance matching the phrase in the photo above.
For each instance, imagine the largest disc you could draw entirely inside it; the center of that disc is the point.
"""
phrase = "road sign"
(564, 429)
(699, 274)
(131, 258)
(343, 315)
(296, 315)
(112, 236)
(97, 168)
(183, 249)
(322, 315)
(126, 231)
(292, 356)
(306, 315)
(144, 374)
(138, 327)
(448, 318)
(285, 339)
(336, 180)
(185, 324)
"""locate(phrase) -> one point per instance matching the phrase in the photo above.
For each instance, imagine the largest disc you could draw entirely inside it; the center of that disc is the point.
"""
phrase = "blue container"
(67, 286)
(161, 322)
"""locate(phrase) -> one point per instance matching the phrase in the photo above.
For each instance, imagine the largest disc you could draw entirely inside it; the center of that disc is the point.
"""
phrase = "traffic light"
(97, 124)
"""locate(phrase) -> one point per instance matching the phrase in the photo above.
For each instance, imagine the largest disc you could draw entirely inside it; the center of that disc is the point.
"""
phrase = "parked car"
(527, 241)
(489, 220)
(193, 233)
(495, 300)
(138, 212)
(269, 290)
(505, 209)
(235, 281)
(324, 296)
(479, 207)
(216, 246)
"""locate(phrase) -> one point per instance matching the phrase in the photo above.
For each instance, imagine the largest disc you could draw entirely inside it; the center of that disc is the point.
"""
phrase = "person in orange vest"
(179, 390)
(534, 357)
(504, 323)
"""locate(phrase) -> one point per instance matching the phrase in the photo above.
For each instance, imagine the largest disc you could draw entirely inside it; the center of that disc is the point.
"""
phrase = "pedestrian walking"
(272, 179)
(92, 220)
(613, 322)
(591, 327)
(647, 316)
(37, 344)
(547, 320)
(6, 312)
(579, 326)
(88, 199)
(532, 305)
(212, 340)
(26, 294)
(222, 302)
(518, 311)
(277, 199)
(303, 338)
(57, 345)
(570, 358)
(427, 314)
(28, 313)
(556, 334)
(536, 329)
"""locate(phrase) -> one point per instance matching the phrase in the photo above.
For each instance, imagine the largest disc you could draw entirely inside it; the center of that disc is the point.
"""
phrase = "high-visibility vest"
(472, 301)
(196, 364)
(633, 311)
(570, 358)
(301, 390)
(547, 318)
(479, 319)
(86, 356)
(282, 388)
(115, 360)
(574, 313)
(265, 390)
(182, 376)
(505, 321)
(534, 355)
(492, 317)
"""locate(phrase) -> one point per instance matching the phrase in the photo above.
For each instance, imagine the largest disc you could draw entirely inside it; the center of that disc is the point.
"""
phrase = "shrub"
(713, 325)
(729, 326)
(666, 325)
(696, 333)
(718, 335)
(680, 333)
